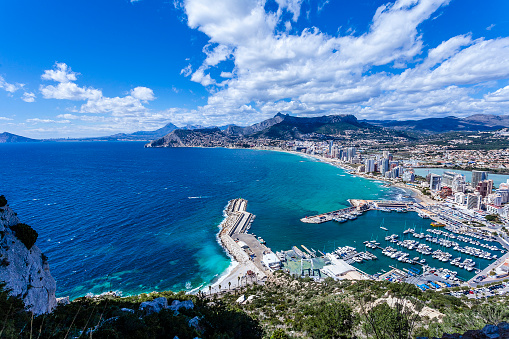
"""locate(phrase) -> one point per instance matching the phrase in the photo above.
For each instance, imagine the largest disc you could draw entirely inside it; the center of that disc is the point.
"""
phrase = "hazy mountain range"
(285, 126)
(478, 122)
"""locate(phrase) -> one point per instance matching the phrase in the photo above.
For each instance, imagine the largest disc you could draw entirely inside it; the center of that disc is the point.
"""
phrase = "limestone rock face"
(24, 271)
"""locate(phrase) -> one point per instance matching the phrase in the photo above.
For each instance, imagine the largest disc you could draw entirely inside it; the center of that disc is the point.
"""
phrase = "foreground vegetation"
(282, 308)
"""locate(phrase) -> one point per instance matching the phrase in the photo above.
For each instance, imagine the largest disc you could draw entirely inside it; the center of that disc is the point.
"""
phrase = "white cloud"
(47, 121)
(500, 95)
(5, 119)
(187, 71)
(143, 93)
(226, 75)
(96, 102)
(292, 6)
(60, 73)
(11, 88)
(69, 91)
(118, 106)
(314, 73)
(490, 27)
(28, 97)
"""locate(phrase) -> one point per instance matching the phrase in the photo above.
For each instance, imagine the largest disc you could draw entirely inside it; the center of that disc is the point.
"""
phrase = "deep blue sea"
(117, 216)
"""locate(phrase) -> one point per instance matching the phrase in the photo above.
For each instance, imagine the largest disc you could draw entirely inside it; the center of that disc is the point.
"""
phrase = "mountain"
(9, 137)
(280, 127)
(295, 128)
(206, 137)
(236, 130)
(136, 136)
(478, 122)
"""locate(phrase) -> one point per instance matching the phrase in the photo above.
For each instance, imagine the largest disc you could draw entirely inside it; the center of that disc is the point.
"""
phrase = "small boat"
(385, 229)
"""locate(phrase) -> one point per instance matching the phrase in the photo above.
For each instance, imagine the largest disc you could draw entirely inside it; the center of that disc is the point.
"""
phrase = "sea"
(118, 216)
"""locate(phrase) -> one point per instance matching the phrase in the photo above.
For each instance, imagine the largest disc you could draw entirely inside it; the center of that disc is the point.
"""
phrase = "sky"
(86, 68)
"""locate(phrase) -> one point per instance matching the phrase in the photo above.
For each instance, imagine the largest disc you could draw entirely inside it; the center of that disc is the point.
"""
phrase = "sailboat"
(385, 229)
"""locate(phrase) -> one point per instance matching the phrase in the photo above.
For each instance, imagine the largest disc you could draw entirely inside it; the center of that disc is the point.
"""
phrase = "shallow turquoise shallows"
(116, 216)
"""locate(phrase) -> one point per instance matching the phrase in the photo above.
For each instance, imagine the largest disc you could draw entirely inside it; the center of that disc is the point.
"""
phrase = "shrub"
(3, 201)
(26, 234)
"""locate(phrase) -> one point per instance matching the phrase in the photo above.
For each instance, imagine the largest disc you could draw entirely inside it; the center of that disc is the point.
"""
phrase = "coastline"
(334, 162)
(240, 262)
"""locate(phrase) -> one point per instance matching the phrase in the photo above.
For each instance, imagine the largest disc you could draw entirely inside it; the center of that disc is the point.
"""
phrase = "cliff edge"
(23, 267)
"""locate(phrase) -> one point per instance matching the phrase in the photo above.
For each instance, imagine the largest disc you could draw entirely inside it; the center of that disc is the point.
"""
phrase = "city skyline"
(91, 69)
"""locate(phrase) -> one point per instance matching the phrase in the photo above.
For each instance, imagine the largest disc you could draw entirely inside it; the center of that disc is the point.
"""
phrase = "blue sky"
(90, 68)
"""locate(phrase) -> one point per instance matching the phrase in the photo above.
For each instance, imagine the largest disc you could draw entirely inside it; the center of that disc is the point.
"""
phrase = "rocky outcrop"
(25, 271)
(161, 303)
(500, 331)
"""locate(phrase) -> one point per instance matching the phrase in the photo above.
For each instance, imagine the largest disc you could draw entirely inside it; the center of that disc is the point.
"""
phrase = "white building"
(495, 199)
(458, 183)
(435, 182)
(271, 260)
(369, 165)
(460, 198)
(473, 201)
(409, 176)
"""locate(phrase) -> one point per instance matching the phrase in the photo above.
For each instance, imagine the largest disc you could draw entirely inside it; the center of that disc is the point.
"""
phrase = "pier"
(256, 259)
(359, 206)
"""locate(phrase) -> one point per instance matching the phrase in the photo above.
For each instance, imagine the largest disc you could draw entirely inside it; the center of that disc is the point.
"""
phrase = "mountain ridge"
(473, 123)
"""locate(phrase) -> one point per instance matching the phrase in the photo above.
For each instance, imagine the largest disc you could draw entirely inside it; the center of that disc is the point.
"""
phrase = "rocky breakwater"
(235, 212)
(23, 267)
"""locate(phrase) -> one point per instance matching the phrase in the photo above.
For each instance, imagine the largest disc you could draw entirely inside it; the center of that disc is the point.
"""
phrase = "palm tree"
(229, 285)
(219, 288)
(238, 281)
(210, 290)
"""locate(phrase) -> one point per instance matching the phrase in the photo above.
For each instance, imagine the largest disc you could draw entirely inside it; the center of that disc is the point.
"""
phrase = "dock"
(324, 217)
(360, 206)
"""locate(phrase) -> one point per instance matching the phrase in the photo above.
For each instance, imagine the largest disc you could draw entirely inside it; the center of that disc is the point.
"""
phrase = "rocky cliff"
(23, 267)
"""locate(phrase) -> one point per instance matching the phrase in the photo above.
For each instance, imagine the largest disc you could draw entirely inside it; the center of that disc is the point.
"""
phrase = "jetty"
(254, 258)
(359, 206)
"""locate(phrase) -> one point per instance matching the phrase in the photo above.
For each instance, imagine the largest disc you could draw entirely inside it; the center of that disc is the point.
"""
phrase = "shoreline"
(240, 267)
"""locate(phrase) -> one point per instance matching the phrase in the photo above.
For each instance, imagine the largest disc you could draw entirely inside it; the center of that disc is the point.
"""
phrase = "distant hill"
(138, 136)
(9, 137)
(478, 122)
(206, 137)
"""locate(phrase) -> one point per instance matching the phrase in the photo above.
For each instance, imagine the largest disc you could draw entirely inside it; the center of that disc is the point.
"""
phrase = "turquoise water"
(116, 216)
(497, 178)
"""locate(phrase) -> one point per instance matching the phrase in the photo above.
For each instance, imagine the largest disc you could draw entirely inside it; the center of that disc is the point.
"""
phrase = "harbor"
(382, 240)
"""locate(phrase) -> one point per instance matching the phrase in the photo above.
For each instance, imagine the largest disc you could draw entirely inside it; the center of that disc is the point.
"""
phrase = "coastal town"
(469, 220)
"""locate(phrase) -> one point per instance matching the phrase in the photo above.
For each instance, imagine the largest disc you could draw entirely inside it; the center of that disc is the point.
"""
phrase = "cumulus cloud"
(5, 119)
(60, 73)
(28, 97)
(96, 102)
(143, 93)
(69, 91)
(314, 73)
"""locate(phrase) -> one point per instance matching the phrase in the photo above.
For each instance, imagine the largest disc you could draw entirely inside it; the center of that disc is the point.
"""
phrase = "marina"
(412, 243)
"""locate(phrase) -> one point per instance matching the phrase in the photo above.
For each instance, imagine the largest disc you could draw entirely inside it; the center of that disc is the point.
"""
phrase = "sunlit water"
(117, 216)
